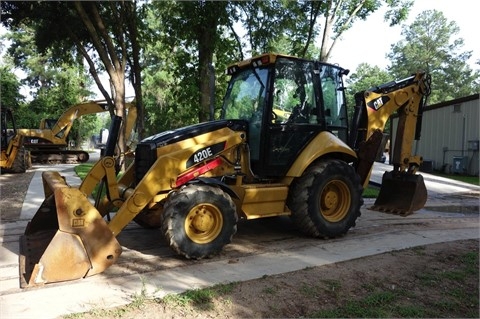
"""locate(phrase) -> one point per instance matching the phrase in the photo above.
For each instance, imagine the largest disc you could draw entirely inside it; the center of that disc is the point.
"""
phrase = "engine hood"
(183, 133)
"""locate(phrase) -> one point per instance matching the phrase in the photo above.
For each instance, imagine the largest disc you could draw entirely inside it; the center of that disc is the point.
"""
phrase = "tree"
(289, 27)
(429, 44)
(9, 88)
(99, 31)
(364, 78)
(193, 30)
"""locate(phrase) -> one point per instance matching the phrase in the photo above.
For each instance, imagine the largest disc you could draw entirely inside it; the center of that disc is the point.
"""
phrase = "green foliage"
(341, 15)
(179, 40)
(363, 78)
(10, 88)
(430, 44)
(370, 192)
(199, 298)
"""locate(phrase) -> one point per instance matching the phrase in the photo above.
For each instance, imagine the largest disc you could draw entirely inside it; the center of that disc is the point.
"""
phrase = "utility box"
(459, 164)
(427, 166)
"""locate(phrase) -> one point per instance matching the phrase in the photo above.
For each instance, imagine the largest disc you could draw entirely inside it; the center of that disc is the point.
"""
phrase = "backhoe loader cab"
(279, 149)
(286, 102)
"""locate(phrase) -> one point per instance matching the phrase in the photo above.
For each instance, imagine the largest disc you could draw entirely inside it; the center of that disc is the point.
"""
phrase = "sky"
(369, 41)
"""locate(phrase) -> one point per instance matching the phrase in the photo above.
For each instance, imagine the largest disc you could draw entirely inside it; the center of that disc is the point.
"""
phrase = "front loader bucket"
(401, 194)
(67, 238)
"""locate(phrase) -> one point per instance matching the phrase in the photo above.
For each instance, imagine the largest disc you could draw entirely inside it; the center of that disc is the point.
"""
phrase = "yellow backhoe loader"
(49, 143)
(282, 147)
(14, 158)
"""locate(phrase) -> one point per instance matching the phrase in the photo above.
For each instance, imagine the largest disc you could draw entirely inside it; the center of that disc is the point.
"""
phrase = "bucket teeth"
(393, 211)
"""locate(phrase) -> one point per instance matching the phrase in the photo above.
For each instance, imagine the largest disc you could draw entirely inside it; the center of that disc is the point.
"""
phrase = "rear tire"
(325, 201)
(199, 220)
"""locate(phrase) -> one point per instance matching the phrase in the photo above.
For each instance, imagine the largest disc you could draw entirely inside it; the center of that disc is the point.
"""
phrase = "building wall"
(450, 136)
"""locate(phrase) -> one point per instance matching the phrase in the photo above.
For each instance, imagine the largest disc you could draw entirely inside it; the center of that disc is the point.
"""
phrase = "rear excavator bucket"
(401, 194)
(67, 238)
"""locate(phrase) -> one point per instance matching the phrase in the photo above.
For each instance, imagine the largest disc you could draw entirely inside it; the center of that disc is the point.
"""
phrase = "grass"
(462, 178)
(82, 170)
(201, 299)
(382, 301)
(371, 192)
(139, 300)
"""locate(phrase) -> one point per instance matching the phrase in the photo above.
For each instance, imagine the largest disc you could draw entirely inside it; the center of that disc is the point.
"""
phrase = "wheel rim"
(203, 223)
(335, 201)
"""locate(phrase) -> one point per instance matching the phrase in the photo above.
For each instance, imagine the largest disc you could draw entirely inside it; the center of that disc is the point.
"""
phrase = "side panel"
(262, 200)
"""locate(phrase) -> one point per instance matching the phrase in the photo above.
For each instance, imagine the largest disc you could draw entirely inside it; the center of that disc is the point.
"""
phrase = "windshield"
(245, 95)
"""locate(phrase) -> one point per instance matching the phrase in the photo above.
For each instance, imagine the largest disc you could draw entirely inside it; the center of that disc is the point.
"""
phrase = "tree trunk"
(118, 83)
(206, 37)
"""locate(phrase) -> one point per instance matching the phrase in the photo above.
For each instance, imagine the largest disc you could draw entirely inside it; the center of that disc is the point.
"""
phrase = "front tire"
(199, 220)
(325, 201)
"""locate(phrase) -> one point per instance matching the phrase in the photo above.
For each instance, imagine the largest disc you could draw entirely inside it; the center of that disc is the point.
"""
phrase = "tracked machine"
(49, 143)
(281, 147)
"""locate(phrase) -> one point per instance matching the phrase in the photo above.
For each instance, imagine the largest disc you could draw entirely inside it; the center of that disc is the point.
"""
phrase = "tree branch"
(92, 68)
(95, 38)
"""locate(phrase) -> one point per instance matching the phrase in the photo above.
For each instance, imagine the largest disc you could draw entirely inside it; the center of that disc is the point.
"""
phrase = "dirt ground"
(440, 280)
(13, 188)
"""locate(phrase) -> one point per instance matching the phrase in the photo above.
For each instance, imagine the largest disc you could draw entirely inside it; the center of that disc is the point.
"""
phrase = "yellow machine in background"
(283, 146)
(49, 143)
(13, 157)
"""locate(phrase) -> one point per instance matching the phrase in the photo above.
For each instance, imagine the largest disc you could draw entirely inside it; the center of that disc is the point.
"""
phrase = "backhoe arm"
(374, 108)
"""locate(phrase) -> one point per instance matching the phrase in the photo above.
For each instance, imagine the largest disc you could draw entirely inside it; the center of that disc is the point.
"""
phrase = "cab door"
(294, 116)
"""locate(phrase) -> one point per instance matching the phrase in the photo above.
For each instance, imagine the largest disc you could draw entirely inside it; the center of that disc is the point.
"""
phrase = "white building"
(450, 136)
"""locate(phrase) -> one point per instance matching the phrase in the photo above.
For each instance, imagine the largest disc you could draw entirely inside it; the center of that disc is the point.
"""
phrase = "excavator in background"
(282, 147)
(14, 158)
(49, 143)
